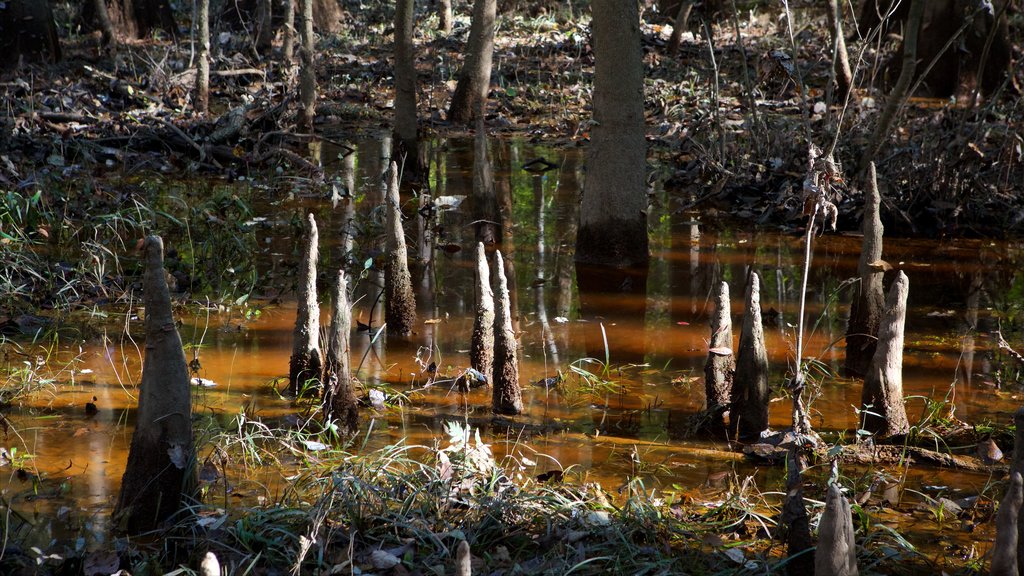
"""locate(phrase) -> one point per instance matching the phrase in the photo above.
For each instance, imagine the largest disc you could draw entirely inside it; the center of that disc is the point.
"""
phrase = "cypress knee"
(868, 300)
(481, 348)
(507, 395)
(836, 554)
(339, 400)
(882, 397)
(721, 363)
(399, 302)
(749, 414)
(1004, 552)
(306, 361)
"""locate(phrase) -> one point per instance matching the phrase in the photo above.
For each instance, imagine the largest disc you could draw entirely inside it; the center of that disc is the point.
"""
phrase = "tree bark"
(399, 302)
(678, 26)
(288, 36)
(749, 414)
(884, 413)
(306, 361)
(339, 399)
(161, 461)
(133, 18)
(264, 26)
(481, 348)
(108, 37)
(794, 517)
(721, 363)
(28, 33)
(836, 554)
(485, 199)
(470, 95)
(1005, 549)
(405, 130)
(444, 16)
(203, 63)
(307, 71)
(841, 65)
(507, 395)
(868, 300)
(613, 224)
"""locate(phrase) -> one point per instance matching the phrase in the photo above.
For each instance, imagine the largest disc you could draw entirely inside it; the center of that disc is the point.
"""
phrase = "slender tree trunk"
(485, 199)
(108, 38)
(339, 399)
(613, 225)
(406, 132)
(721, 363)
(844, 76)
(306, 361)
(507, 395)
(161, 462)
(399, 302)
(481, 348)
(444, 16)
(203, 64)
(307, 70)
(749, 414)
(264, 27)
(475, 77)
(679, 26)
(882, 397)
(288, 37)
(868, 300)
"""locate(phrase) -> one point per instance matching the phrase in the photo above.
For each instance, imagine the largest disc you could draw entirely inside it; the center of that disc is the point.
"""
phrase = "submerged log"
(306, 361)
(1005, 550)
(749, 414)
(862, 330)
(836, 554)
(721, 363)
(161, 465)
(481, 347)
(794, 517)
(399, 301)
(340, 403)
(882, 396)
(507, 396)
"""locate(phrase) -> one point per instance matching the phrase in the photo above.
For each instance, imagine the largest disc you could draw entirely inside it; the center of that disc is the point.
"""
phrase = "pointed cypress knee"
(794, 517)
(882, 396)
(721, 363)
(1017, 467)
(481, 347)
(463, 560)
(399, 302)
(339, 399)
(749, 414)
(836, 554)
(306, 362)
(1004, 552)
(161, 461)
(869, 298)
(507, 395)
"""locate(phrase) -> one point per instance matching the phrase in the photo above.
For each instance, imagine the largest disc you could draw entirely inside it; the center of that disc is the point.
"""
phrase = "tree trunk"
(868, 300)
(203, 63)
(481, 348)
(836, 554)
(613, 224)
(133, 18)
(327, 16)
(485, 199)
(28, 33)
(306, 363)
(470, 94)
(264, 26)
(307, 71)
(161, 461)
(399, 302)
(841, 63)
(1017, 467)
(721, 363)
(288, 37)
(108, 38)
(749, 414)
(405, 130)
(1004, 552)
(339, 399)
(678, 26)
(444, 16)
(507, 396)
(884, 413)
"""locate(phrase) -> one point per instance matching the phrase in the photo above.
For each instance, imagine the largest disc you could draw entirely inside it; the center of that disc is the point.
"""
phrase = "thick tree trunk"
(28, 33)
(481, 348)
(161, 462)
(327, 16)
(470, 94)
(749, 414)
(203, 62)
(613, 224)
(507, 395)
(133, 18)
(399, 302)
(307, 71)
(721, 363)
(868, 300)
(340, 402)
(405, 129)
(882, 397)
(306, 361)
(836, 554)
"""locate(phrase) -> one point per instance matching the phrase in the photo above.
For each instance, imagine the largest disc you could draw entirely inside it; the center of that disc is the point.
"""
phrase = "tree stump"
(749, 414)
(721, 363)
(399, 301)
(836, 554)
(339, 399)
(882, 397)
(161, 461)
(862, 330)
(507, 396)
(1005, 550)
(481, 347)
(306, 361)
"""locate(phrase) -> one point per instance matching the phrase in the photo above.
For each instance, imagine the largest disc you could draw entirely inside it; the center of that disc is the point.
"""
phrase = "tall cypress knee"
(721, 363)
(862, 330)
(749, 413)
(339, 399)
(882, 396)
(161, 461)
(836, 554)
(507, 395)
(481, 347)
(399, 302)
(306, 361)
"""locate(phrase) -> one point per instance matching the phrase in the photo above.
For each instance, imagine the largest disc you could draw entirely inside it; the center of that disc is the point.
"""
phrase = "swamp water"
(632, 420)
